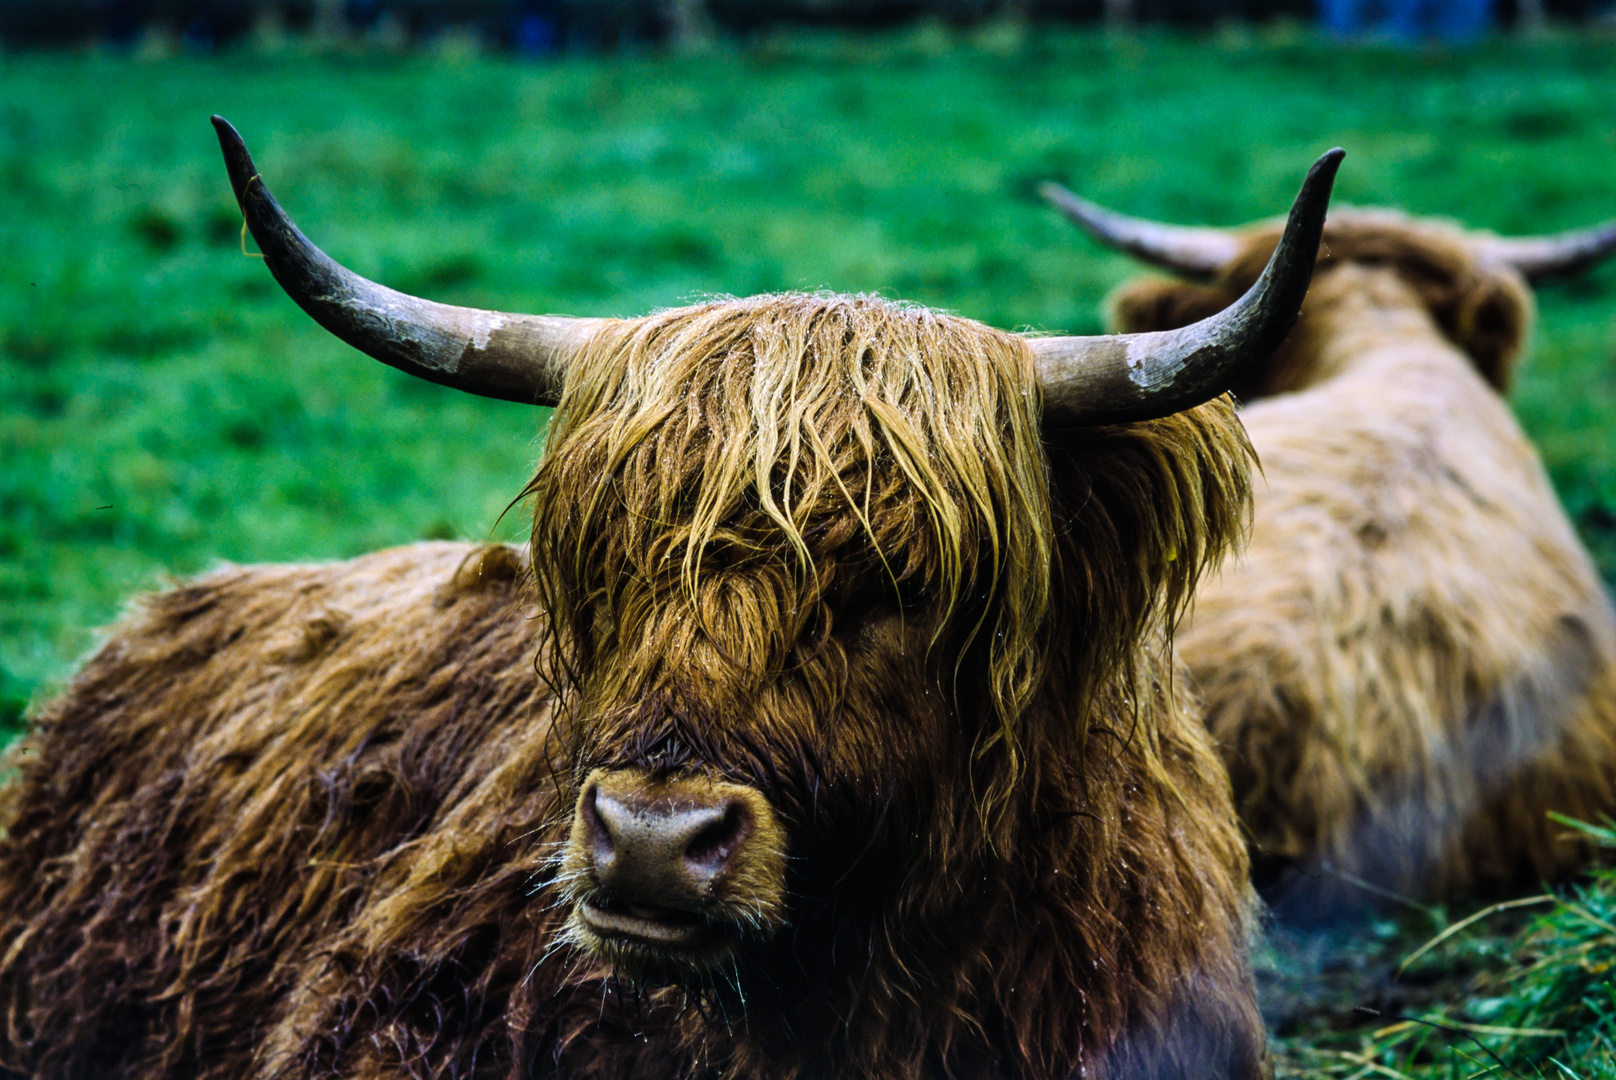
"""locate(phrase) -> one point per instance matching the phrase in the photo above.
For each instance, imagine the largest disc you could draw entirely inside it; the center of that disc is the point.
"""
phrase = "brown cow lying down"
(853, 747)
(1415, 661)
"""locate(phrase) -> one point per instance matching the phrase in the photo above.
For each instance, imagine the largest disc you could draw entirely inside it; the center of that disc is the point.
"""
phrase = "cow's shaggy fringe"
(1415, 661)
(797, 410)
(303, 821)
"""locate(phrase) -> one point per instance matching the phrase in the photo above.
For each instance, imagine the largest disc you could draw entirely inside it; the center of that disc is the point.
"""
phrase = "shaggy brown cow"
(1415, 661)
(853, 750)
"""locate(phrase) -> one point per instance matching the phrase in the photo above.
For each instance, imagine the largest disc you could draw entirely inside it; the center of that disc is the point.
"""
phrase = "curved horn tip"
(1053, 192)
(1285, 280)
(237, 161)
(1331, 157)
(1304, 226)
(1074, 206)
(1321, 179)
(1559, 255)
(1194, 251)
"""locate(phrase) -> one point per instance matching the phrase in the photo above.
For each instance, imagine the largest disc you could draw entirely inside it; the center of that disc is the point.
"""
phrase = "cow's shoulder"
(305, 661)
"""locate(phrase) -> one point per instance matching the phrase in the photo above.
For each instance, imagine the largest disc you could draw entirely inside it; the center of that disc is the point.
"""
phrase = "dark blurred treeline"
(539, 26)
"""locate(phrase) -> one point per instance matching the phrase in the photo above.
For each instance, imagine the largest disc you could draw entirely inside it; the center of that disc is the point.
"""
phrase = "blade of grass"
(1443, 1026)
(1477, 1029)
(1605, 834)
(1563, 954)
(1588, 916)
(1361, 1060)
(1545, 898)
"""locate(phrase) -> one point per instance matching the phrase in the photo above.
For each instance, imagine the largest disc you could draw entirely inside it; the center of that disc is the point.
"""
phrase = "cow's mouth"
(641, 924)
(653, 945)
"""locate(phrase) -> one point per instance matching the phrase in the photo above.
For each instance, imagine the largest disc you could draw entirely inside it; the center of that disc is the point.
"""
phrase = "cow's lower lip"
(662, 927)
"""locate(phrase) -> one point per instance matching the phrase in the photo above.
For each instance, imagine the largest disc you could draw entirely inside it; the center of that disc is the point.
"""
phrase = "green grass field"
(163, 407)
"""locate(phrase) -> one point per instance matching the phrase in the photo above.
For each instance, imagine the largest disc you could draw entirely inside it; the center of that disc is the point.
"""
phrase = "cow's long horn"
(1123, 377)
(1193, 252)
(1538, 258)
(513, 357)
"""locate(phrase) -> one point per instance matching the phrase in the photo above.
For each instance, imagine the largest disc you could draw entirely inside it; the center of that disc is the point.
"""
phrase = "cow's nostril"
(713, 845)
(597, 835)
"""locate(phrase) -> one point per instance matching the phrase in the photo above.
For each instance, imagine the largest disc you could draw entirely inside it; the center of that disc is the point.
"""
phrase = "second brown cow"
(1414, 663)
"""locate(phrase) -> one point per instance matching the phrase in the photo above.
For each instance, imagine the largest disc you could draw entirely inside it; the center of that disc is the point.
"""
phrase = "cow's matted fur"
(1415, 661)
(303, 821)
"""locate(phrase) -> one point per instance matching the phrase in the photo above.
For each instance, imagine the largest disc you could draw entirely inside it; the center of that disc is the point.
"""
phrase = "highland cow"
(830, 730)
(1414, 663)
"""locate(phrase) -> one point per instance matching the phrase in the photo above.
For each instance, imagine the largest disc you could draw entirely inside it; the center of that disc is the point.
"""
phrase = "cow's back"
(218, 790)
(1413, 663)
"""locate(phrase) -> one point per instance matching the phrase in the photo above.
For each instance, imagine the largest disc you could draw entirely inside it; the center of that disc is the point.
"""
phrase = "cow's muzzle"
(667, 875)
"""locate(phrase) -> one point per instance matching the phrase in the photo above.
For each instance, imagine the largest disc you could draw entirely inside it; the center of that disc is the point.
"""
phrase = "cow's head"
(798, 554)
(1474, 284)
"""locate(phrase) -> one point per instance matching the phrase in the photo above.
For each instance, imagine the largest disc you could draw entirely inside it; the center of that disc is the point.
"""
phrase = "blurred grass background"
(164, 407)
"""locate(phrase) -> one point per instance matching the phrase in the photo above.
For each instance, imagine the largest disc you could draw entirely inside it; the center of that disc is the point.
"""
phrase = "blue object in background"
(1407, 20)
(536, 35)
